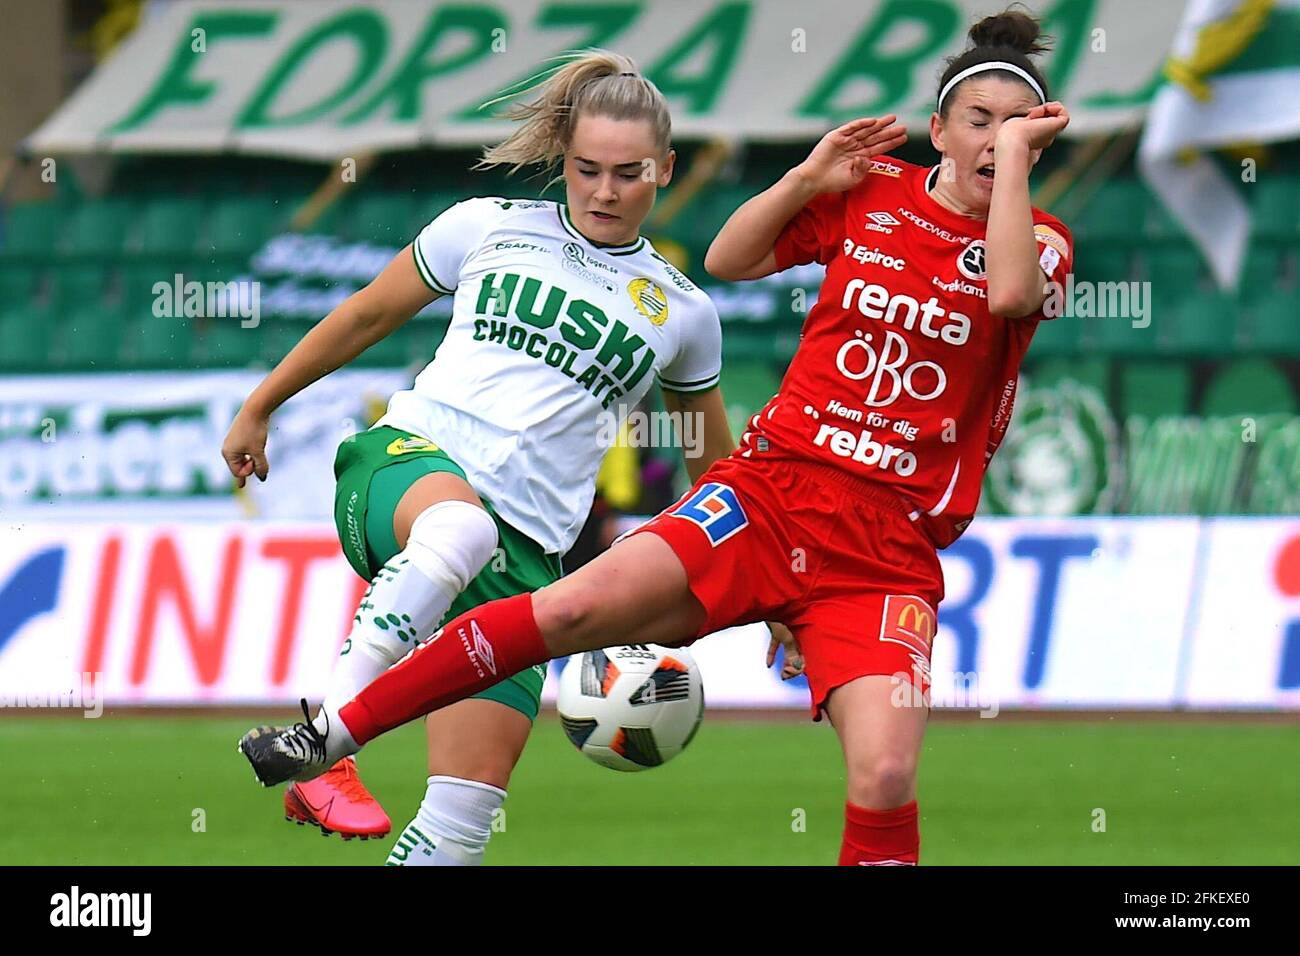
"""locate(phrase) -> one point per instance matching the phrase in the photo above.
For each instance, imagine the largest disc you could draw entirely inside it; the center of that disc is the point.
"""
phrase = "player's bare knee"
(882, 781)
(565, 617)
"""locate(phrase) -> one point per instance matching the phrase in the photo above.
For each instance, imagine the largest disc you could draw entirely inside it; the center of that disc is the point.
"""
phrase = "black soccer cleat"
(279, 754)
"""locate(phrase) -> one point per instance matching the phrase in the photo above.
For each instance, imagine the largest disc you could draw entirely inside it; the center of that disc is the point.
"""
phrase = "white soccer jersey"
(549, 336)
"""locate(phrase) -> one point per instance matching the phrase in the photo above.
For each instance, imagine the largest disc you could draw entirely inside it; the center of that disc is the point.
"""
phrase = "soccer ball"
(631, 707)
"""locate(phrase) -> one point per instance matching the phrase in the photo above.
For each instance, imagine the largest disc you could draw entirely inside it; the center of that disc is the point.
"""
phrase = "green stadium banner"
(330, 79)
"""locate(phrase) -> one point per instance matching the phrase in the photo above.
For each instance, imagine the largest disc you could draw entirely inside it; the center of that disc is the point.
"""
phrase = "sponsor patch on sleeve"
(1049, 260)
(1051, 238)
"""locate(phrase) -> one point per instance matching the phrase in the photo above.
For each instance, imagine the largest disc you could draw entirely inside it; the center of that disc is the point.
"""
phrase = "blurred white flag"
(1233, 76)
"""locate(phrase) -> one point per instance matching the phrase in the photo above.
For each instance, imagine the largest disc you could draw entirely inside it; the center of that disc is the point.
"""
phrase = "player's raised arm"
(744, 248)
(361, 320)
(1016, 281)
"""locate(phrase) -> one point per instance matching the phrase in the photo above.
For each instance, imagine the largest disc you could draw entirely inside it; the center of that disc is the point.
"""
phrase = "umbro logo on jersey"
(970, 261)
(480, 653)
(400, 446)
(882, 222)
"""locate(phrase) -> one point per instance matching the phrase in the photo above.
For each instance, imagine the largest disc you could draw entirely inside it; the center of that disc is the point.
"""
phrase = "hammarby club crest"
(1059, 456)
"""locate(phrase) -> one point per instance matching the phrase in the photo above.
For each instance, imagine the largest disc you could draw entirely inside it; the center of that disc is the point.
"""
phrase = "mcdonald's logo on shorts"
(908, 620)
(716, 509)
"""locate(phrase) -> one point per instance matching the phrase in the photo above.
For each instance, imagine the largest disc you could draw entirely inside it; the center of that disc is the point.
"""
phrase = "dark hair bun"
(1010, 28)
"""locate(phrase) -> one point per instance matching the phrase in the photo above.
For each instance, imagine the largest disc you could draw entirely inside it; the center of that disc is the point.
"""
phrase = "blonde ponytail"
(592, 83)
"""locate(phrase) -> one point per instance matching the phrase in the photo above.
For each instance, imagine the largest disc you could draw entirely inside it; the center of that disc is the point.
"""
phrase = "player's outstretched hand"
(245, 447)
(843, 156)
(792, 665)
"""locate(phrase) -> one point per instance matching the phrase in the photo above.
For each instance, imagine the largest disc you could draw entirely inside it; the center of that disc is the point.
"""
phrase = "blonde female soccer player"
(563, 317)
(870, 457)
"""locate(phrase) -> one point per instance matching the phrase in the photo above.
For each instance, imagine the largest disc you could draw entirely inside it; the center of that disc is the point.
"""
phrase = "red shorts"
(830, 555)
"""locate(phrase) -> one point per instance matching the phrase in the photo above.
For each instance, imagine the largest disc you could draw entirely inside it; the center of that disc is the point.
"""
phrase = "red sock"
(880, 837)
(471, 653)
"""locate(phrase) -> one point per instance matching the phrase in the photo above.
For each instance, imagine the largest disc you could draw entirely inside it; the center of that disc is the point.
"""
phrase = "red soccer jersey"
(902, 375)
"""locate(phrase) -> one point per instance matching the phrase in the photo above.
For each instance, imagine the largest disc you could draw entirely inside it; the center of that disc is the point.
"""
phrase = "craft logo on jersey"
(882, 222)
(400, 446)
(715, 508)
(908, 620)
(650, 300)
(970, 261)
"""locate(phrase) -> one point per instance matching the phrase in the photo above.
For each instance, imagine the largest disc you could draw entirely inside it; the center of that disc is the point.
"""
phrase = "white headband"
(980, 68)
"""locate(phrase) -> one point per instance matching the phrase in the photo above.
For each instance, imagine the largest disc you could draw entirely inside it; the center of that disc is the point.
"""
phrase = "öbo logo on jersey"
(887, 372)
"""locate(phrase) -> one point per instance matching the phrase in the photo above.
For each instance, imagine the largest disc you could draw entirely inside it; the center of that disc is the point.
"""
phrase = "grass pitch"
(145, 789)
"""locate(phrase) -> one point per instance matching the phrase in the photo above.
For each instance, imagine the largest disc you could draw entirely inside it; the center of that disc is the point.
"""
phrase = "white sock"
(449, 544)
(452, 826)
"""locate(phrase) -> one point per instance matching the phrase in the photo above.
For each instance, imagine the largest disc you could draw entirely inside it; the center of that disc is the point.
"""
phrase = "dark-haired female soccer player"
(869, 458)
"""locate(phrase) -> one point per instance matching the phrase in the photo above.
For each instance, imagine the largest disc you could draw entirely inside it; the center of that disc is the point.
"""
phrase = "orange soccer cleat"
(337, 802)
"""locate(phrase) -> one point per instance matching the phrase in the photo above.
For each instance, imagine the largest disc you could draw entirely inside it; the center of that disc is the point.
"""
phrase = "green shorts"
(373, 469)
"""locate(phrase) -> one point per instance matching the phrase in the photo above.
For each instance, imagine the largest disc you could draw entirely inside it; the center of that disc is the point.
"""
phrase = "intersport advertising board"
(1070, 613)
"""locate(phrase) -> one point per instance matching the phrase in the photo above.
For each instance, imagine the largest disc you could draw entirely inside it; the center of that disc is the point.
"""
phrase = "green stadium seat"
(1091, 372)
(1262, 271)
(1175, 271)
(1117, 336)
(1249, 387)
(276, 337)
(157, 343)
(383, 218)
(746, 387)
(135, 283)
(1113, 213)
(31, 229)
(1054, 337)
(224, 343)
(1275, 206)
(88, 339)
(1158, 225)
(169, 226)
(98, 229)
(1151, 389)
(1273, 324)
(78, 287)
(237, 227)
(17, 284)
(1102, 262)
(25, 335)
(1204, 326)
